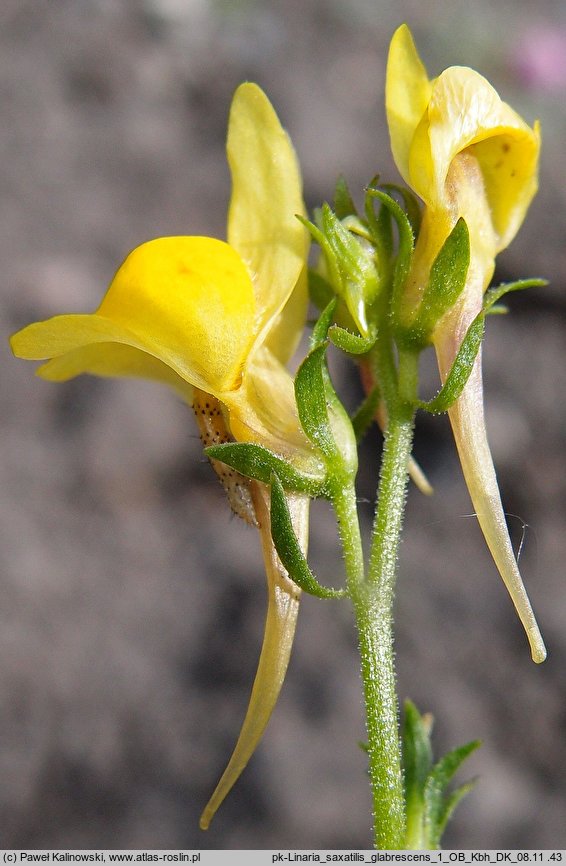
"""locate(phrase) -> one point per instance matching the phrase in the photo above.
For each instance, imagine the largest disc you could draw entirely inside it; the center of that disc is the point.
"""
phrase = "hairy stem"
(373, 605)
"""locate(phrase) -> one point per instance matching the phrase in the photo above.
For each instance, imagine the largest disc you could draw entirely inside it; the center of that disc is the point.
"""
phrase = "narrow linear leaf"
(448, 807)
(288, 547)
(341, 241)
(343, 203)
(493, 295)
(380, 225)
(313, 228)
(320, 331)
(318, 235)
(410, 202)
(405, 251)
(460, 371)
(417, 755)
(443, 771)
(257, 462)
(439, 807)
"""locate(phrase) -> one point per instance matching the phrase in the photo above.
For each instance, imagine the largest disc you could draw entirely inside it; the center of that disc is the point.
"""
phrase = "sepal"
(310, 394)
(288, 547)
(255, 461)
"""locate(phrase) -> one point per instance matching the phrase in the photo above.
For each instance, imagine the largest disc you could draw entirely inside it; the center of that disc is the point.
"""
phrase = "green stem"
(373, 604)
(346, 510)
(384, 758)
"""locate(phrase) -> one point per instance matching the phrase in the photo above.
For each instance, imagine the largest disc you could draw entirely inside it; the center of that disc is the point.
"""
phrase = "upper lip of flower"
(198, 311)
(430, 121)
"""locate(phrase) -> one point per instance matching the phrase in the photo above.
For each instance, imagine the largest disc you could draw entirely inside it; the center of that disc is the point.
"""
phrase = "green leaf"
(343, 203)
(404, 253)
(428, 806)
(353, 344)
(410, 202)
(365, 413)
(493, 295)
(323, 418)
(445, 285)
(438, 808)
(288, 547)
(314, 228)
(460, 371)
(319, 335)
(464, 361)
(443, 771)
(344, 245)
(310, 394)
(450, 803)
(380, 226)
(417, 759)
(255, 461)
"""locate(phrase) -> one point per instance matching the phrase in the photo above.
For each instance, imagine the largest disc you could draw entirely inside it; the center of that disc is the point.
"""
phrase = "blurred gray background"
(132, 602)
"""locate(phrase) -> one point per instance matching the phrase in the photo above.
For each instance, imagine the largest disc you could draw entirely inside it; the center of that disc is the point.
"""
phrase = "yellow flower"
(466, 154)
(220, 320)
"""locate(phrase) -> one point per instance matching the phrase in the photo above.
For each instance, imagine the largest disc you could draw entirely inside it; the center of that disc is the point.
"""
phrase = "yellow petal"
(286, 329)
(113, 359)
(509, 163)
(465, 113)
(407, 93)
(192, 299)
(431, 122)
(266, 195)
(282, 611)
(186, 301)
(464, 196)
(263, 410)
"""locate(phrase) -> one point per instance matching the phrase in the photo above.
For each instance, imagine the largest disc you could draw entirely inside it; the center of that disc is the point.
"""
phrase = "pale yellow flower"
(467, 154)
(222, 319)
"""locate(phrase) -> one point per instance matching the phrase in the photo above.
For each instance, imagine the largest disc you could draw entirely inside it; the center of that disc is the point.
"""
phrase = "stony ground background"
(132, 604)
